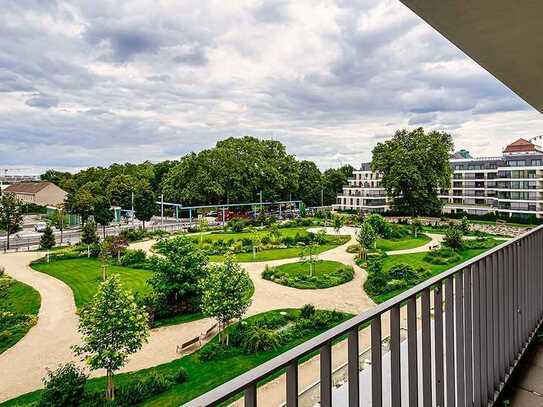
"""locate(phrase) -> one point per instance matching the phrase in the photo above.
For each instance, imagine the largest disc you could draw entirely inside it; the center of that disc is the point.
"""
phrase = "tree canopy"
(414, 166)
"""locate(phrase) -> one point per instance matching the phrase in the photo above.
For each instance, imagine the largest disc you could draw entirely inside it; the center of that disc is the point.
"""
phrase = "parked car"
(40, 227)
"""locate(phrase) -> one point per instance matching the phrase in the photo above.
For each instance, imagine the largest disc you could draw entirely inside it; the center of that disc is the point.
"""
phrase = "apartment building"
(511, 183)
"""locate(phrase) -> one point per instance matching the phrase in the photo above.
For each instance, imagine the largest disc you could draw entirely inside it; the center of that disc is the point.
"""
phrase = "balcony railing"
(485, 313)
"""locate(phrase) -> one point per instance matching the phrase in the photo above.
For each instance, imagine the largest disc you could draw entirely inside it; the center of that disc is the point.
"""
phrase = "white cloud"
(84, 83)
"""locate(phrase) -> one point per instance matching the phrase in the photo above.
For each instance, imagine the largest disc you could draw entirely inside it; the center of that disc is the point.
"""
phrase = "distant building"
(511, 183)
(42, 193)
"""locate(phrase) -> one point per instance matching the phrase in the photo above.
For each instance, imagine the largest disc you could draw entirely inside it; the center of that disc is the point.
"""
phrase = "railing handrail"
(243, 381)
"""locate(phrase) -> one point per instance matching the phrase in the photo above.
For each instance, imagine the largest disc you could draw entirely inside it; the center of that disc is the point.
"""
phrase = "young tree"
(88, 235)
(366, 237)
(11, 217)
(309, 256)
(337, 222)
(202, 227)
(144, 204)
(454, 237)
(47, 240)
(103, 214)
(114, 246)
(177, 273)
(416, 226)
(414, 166)
(379, 224)
(465, 225)
(224, 292)
(113, 326)
(58, 220)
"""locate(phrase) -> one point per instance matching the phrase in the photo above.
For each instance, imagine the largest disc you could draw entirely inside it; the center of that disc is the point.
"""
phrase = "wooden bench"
(184, 346)
(208, 332)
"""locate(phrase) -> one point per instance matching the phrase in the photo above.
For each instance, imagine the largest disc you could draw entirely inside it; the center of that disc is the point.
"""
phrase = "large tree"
(235, 170)
(102, 212)
(113, 326)
(414, 165)
(177, 272)
(120, 190)
(11, 216)
(310, 183)
(80, 203)
(144, 204)
(224, 292)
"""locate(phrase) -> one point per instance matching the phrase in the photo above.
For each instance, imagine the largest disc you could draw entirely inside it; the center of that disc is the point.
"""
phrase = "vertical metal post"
(495, 324)
(190, 216)
(326, 375)
(426, 350)
(395, 368)
(468, 337)
(412, 351)
(489, 345)
(376, 363)
(250, 396)
(459, 328)
(352, 353)
(292, 384)
(176, 214)
(161, 209)
(449, 341)
(438, 340)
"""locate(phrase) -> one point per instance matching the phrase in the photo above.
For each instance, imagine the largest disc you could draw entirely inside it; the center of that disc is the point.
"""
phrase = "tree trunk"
(104, 230)
(110, 391)
(61, 236)
(143, 224)
(88, 251)
(8, 239)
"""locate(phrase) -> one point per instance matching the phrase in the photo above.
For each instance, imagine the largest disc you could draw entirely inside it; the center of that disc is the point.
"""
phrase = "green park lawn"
(407, 242)
(22, 303)
(84, 275)
(220, 235)
(202, 375)
(416, 260)
(326, 274)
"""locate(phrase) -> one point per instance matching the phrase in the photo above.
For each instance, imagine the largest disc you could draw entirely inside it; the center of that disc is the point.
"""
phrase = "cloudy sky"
(94, 82)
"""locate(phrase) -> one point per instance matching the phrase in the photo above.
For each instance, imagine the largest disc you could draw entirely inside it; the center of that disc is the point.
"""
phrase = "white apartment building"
(511, 183)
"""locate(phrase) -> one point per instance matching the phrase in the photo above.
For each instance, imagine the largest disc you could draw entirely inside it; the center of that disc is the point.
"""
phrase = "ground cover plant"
(326, 274)
(19, 307)
(406, 242)
(254, 341)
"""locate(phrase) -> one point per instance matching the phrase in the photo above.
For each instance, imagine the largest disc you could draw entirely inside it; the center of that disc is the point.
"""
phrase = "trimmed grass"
(84, 275)
(277, 254)
(326, 274)
(285, 232)
(407, 242)
(23, 301)
(203, 376)
(416, 260)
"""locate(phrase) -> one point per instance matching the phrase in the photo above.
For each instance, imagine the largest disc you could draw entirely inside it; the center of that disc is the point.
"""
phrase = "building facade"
(41, 193)
(511, 184)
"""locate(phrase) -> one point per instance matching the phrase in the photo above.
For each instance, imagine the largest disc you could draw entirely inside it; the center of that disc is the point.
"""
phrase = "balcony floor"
(526, 388)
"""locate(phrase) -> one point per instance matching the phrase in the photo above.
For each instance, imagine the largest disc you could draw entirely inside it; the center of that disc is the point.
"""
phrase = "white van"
(40, 227)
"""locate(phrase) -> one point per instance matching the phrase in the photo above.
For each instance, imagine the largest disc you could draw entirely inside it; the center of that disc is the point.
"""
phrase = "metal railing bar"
(326, 375)
(412, 358)
(250, 396)
(468, 337)
(376, 363)
(395, 365)
(426, 345)
(495, 321)
(489, 328)
(449, 341)
(483, 385)
(459, 329)
(353, 361)
(438, 341)
(292, 384)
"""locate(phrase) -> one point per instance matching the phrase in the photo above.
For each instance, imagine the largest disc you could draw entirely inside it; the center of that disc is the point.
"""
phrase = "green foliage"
(454, 237)
(444, 255)
(88, 233)
(178, 272)
(47, 239)
(112, 309)
(379, 225)
(102, 212)
(366, 236)
(181, 376)
(307, 311)
(326, 274)
(465, 225)
(211, 351)
(310, 183)
(337, 222)
(63, 387)
(353, 248)
(223, 291)
(81, 202)
(237, 225)
(414, 165)
(133, 234)
(152, 384)
(11, 217)
(260, 339)
(333, 181)
(399, 276)
(144, 204)
(133, 257)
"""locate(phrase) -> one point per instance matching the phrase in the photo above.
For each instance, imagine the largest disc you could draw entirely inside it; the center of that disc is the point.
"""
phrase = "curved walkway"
(48, 343)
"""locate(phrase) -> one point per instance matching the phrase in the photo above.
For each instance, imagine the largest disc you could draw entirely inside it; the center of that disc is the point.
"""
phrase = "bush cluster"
(320, 280)
(134, 258)
(443, 256)
(400, 276)
(65, 387)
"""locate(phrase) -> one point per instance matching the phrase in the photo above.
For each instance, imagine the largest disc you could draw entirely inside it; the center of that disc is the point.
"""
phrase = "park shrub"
(307, 311)
(453, 237)
(260, 339)
(404, 272)
(181, 376)
(64, 386)
(237, 225)
(479, 243)
(353, 248)
(133, 234)
(210, 351)
(397, 231)
(133, 257)
(444, 255)
(379, 224)
(134, 393)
